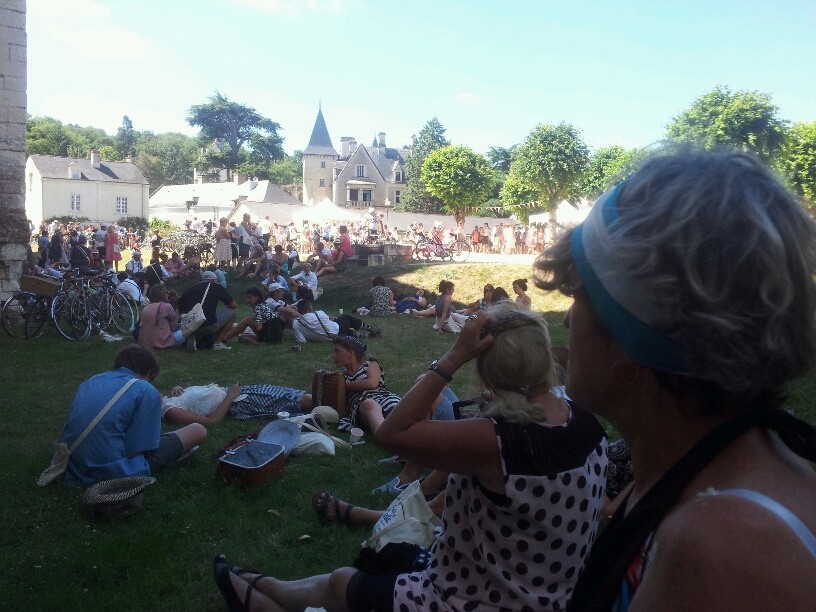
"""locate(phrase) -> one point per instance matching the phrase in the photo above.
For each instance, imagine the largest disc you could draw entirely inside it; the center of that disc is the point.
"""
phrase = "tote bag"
(191, 321)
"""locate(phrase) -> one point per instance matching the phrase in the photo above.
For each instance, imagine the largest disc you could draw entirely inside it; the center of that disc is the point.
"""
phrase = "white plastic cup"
(283, 415)
(356, 435)
(340, 311)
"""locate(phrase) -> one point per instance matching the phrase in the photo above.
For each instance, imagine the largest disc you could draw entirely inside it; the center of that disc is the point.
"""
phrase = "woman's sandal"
(222, 571)
(322, 509)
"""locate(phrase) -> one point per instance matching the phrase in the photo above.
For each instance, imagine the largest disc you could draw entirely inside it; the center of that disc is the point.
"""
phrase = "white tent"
(325, 210)
(567, 214)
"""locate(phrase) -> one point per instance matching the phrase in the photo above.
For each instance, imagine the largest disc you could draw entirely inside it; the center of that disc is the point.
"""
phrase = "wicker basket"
(41, 286)
(117, 497)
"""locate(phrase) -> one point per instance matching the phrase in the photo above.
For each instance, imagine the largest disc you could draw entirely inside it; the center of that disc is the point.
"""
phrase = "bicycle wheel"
(15, 311)
(414, 250)
(445, 254)
(61, 314)
(39, 313)
(82, 317)
(460, 251)
(122, 313)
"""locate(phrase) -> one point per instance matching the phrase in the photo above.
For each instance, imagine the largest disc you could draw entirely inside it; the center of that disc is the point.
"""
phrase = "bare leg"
(226, 329)
(335, 510)
(237, 329)
(434, 482)
(191, 435)
(306, 402)
(371, 412)
(323, 591)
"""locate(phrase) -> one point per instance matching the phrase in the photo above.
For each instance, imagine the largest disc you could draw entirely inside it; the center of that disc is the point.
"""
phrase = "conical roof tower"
(320, 143)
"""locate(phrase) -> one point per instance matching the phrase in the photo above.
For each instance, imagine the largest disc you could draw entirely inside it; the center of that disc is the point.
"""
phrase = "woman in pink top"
(112, 254)
(159, 326)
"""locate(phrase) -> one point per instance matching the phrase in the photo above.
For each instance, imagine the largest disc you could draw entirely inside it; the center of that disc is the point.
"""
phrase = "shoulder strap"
(613, 551)
(330, 335)
(102, 413)
(209, 284)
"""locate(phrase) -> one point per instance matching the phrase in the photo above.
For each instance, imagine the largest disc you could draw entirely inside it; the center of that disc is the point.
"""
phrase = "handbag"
(407, 519)
(59, 462)
(191, 321)
(329, 389)
(116, 248)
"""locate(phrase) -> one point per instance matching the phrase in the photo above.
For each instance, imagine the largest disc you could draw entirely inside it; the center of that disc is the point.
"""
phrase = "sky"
(489, 71)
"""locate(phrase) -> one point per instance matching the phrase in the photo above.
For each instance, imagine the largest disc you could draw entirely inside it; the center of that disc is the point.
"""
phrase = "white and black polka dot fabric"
(525, 549)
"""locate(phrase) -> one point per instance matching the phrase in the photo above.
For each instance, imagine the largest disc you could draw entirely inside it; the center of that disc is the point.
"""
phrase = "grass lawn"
(160, 559)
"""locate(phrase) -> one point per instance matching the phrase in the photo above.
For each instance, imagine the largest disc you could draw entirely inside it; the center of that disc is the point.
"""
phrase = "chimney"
(352, 146)
(95, 158)
(381, 138)
(344, 145)
(239, 178)
(129, 159)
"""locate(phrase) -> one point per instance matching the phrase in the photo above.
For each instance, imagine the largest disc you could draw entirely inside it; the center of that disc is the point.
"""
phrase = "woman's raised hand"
(472, 340)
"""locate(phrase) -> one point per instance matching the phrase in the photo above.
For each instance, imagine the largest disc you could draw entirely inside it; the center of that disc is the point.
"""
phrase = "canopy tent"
(325, 210)
(566, 213)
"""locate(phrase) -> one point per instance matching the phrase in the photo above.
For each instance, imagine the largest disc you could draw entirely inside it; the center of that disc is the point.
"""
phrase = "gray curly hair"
(723, 256)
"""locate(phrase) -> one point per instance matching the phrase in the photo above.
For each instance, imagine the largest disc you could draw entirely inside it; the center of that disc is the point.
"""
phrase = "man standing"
(218, 322)
(244, 233)
(127, 441)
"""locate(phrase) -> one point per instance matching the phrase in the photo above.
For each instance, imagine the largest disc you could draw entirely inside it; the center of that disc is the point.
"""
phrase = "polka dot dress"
(522, 550)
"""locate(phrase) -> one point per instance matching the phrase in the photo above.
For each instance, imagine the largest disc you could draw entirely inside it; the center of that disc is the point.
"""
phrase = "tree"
(48, 136)
(546, 169)
(125, 141)
(459, 177)
(233, 123)
(742, 120)
(501, 158)
(287, 171)
(417, 198)
(798, 161)
(608, 167)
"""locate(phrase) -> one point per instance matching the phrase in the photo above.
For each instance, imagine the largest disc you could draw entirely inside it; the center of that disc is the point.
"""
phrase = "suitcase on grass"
(251, 463)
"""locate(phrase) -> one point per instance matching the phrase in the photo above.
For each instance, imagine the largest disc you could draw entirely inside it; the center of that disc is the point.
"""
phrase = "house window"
(121, 205)
(360, 171)
(366, 195)
(322, 164)
(74, 172)
(322, 182)
(398, 177)
(75, 202)
(397, 197)
(354, 195)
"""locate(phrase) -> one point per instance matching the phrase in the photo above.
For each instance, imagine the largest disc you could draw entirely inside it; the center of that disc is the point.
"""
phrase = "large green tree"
(417, 198)
(607, 167)
(459, 177)
(546, 169)
(742, 120)
(235, 125)
(798, 161)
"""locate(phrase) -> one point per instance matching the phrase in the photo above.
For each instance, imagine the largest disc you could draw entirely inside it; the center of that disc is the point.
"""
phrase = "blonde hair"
(518, 365)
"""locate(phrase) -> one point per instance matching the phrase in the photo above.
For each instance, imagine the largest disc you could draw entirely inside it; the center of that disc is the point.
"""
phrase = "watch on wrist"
(434, 367)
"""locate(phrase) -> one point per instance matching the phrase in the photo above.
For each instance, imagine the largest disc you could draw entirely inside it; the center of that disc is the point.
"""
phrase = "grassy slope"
(56, 558)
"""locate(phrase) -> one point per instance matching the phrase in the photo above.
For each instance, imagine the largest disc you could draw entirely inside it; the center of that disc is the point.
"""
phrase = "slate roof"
(222, 195)
(320, 143)
(54, 167)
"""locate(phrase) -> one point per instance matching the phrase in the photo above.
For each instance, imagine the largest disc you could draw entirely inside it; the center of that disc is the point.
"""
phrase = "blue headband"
(615, 296)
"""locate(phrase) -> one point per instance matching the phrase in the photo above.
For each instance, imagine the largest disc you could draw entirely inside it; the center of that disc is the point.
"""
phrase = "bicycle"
(98, 305)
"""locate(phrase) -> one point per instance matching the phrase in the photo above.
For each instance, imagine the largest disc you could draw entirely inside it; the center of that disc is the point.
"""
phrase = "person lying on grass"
(522, 502)
(209, 404)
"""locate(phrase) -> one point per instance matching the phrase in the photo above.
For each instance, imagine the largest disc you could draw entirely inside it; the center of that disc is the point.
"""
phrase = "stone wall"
(14, 230)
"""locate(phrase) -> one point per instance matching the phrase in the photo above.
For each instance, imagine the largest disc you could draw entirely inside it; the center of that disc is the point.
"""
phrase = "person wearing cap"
(317, 326)
(208, 292)
(135, 264)
(276, 302)
(304, 283)
(127, 441)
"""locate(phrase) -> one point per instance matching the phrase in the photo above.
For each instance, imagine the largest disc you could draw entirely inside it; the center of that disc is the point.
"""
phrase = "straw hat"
(116, 497)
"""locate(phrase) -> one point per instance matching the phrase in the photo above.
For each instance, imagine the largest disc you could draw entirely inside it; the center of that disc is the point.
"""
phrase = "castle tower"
(318, 163)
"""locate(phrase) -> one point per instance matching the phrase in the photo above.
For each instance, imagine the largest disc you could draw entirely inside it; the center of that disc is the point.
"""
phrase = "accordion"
(329, 389)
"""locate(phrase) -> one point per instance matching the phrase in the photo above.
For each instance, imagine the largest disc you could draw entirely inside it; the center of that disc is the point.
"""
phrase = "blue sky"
(490, 71)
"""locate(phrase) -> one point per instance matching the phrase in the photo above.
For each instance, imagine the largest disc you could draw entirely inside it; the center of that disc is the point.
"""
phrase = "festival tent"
(567, 215)
(325, 210)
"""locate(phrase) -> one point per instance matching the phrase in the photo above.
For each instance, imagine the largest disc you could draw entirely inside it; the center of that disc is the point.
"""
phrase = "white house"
(100, 191)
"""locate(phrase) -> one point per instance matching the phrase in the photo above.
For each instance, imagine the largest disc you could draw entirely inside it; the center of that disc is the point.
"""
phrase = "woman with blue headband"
(694, 305)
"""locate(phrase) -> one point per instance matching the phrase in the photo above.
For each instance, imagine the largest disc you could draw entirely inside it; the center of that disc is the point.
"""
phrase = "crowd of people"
(693, 287)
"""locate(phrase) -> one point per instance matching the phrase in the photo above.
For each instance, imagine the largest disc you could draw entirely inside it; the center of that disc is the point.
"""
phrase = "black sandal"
(322, 510)
(221, 572)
